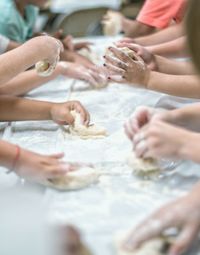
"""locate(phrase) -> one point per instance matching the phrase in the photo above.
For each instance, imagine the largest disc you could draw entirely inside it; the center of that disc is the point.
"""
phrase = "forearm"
(22, 58)
(168, 66)
(133, 28)
(7, 154)
(162, 36)
(175, 48)
(12, 45)
(176, 85)
(19, 109)
(26, 82)
(191, 147)
(188, 116)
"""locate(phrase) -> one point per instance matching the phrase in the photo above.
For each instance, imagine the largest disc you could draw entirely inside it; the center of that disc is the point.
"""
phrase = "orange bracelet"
(17, 156)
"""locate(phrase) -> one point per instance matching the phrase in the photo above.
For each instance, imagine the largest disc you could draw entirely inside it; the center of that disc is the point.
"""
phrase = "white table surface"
(119, 200)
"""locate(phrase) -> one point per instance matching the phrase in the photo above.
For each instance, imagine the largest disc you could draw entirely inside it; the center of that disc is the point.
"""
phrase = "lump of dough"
(143, 166)
(74, 180)
(112, 26)
(128, 52)
(92, 131)
(156, 246)
(44, 69)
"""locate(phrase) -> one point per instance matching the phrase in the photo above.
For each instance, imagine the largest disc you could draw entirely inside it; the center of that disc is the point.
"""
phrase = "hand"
(77, 71)
(38, 167)
(60, 113)
(159, 139)
(141, 117)
(126, 40)
(183, 213)
(124, 69)
(148, 58)
(82, 45)
(50, 48)
(68, 43)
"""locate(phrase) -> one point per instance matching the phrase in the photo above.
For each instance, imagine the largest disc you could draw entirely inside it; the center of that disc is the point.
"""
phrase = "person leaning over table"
(24, 162)
(17, 22)
(157, 133)
(155, 14)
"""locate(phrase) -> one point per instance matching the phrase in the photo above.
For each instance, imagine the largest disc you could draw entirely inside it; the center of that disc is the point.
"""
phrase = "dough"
(157, 246)
(92, 131)
(112, 26)
(44, 69)
(143, 166)
(128, 52)
(74, 180)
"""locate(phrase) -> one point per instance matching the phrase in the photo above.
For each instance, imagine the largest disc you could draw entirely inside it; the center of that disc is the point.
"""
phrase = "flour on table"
(156, 246)
(74, 180)
(143, 166)
(85, 132)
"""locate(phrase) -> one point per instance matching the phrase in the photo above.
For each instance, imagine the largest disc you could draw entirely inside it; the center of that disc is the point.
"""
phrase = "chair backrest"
(82, 23)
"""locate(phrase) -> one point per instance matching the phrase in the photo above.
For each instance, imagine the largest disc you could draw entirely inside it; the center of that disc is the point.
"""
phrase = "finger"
(58, 155)
(114, 69)
(128, 131)
(185, 239)
(131, 46)
(116, 62)
(116, 78)
(83, 112)
(141, 148)
(68, 119)
(149, 229)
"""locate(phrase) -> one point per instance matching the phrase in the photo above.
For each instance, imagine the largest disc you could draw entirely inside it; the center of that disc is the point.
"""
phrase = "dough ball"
(143, 166)
(128, 52)
(156, 246)
(74, 180)
(44, 69)
(92, 131)
(112, 26)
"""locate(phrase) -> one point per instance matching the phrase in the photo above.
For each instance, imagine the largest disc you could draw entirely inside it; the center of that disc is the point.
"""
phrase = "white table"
(119, 200)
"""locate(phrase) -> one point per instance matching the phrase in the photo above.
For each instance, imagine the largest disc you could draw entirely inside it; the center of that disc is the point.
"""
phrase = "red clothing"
(160, 13)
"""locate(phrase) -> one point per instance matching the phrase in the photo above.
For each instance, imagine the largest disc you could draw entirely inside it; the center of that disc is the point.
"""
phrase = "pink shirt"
(160, 13)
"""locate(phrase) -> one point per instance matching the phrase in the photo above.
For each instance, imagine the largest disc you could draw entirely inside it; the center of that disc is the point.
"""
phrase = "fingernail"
(109, 78)
(109, 48)
(123, 77)
(104, 56)
(104, 64)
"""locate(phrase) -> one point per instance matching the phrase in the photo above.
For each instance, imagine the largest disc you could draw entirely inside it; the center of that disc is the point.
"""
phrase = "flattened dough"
(156, 246)
(78, 179)
(143, 166)
(85, 132)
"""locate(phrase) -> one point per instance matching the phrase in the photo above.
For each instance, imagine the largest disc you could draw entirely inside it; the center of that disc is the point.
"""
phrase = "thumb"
(58, 155)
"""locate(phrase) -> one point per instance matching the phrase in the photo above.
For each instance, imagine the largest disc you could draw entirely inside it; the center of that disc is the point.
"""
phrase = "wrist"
(187, 145)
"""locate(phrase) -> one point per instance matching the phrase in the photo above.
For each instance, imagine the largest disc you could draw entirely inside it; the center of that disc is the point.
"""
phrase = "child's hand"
(68, 43)
(77, 71)
(37, 167)
(183, 213)
(148, 58)
(159, 139)
(60, 113)
(124, 69)
(82, 45)
(141, 117)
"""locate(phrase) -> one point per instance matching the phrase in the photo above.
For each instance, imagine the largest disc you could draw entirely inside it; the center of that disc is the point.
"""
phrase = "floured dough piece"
(128, 52)
(113, 25)
(143, 166)
(83, 131)
(156, 246)
(44, 69)
(74, 180)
